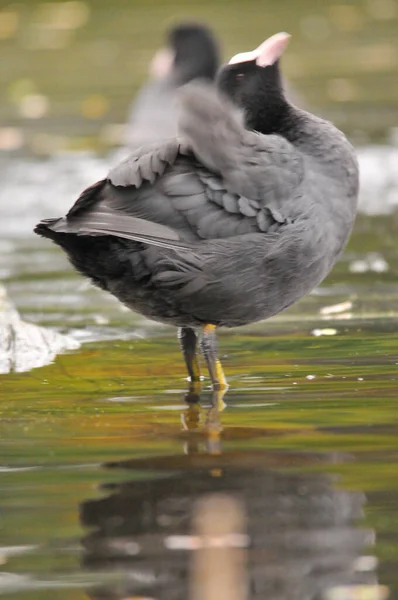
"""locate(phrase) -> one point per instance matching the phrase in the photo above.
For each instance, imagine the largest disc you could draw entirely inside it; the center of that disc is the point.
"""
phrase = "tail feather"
(123, 226)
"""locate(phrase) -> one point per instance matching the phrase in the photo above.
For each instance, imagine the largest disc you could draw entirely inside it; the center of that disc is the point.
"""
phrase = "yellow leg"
(209, 350)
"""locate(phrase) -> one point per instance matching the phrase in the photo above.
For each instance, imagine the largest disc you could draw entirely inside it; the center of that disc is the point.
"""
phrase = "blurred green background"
(69, 70)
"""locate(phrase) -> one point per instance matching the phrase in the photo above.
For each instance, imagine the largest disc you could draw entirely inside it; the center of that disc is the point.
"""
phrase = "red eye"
(239, 76)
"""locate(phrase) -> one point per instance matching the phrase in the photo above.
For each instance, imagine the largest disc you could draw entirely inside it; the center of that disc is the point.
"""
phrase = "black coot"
(191, 53)
(232, 222)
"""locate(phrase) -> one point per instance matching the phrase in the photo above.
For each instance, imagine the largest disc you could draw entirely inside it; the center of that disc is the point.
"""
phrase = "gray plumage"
(242, 214)
(243, 237)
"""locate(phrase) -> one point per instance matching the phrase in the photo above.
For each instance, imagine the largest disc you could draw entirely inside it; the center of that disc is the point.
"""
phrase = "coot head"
(191, 52)
(196, 51)
(253, 82)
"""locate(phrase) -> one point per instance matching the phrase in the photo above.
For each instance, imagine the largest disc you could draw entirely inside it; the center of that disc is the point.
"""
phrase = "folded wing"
(222, 182)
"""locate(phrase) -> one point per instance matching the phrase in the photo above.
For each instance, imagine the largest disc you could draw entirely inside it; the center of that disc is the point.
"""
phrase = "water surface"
(102, 460)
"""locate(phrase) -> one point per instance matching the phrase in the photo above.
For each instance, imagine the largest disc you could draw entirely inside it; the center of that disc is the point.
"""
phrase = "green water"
(302, 412)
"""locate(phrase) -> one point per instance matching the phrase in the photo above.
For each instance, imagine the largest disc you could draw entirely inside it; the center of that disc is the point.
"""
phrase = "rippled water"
(102, 462)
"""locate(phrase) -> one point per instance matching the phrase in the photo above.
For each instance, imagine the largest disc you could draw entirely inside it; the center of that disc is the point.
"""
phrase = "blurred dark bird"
(230, 223)
(191, 53)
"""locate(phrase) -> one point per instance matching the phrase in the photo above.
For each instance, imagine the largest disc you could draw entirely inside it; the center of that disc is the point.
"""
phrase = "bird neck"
(324, 146)
(268, 111)
(270, 118)
(312, 134)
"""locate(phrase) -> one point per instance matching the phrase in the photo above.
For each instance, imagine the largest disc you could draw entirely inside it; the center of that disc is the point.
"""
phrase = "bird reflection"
(303, 537)
(197, 418)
